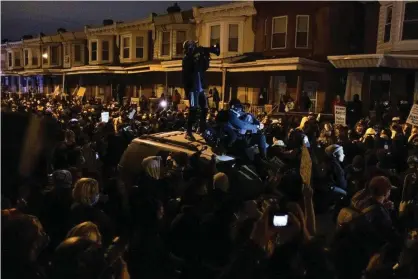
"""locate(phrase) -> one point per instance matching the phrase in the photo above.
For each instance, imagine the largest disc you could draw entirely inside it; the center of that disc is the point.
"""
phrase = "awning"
(31, 72)
(277, 64)
(94, 70)
(400, 61)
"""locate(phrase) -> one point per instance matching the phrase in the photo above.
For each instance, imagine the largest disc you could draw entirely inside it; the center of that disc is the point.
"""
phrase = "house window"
(180, 38)
(233, 38)
(77, 53)
(139, 47)
(388, 24)
(34, 57)
(265, 34)
(126, 47)
(45, 55)
(10, 59)
(302, 31)
(17, 60)
(105, 51)
(165, 44)
(93, 51)
(410, 21)
(54, 55)
(279, 32)
(26, 54)
(215, 34)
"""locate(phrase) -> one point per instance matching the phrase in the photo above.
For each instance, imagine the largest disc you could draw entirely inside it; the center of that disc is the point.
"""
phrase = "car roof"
(177, 141)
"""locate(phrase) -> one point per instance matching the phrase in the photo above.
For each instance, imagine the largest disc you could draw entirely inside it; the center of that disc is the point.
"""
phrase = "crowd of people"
(72, 217)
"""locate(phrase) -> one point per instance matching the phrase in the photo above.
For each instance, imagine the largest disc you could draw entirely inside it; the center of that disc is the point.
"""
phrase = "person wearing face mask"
(86, 195)
(335, 157)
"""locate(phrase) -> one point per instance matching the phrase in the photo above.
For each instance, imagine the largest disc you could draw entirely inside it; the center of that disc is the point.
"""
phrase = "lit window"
(302, 31)
(165, 44)
(215, 34)
(279, 32)
(126, 47)
(45, 55)
(180, 38)
(233, 38)
(410, 21)
(139, 47)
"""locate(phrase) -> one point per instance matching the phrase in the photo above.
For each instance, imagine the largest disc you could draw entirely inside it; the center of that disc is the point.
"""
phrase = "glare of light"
(45, 55)
(163, 104)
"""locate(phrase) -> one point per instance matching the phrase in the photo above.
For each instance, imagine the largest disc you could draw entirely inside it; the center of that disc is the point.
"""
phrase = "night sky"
(33, 17)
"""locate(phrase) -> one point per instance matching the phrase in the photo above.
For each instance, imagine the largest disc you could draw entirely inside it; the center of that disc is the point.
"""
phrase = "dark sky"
(33, 17)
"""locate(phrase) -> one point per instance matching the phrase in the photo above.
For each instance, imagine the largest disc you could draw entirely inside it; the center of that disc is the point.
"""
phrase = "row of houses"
(267, 49)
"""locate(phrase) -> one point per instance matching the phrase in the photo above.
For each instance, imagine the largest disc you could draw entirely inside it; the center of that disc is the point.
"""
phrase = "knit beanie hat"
(62, 179)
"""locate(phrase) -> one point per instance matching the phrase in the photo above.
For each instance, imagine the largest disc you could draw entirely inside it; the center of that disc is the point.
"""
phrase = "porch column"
(223, 85)
(166, 84)
(63, 83)
(27, 84)
(299, 88)
(19, 80)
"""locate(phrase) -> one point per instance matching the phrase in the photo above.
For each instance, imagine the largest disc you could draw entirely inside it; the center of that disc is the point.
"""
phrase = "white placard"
(105, 116)
(131, 114)
(413, 116)
(340, 115)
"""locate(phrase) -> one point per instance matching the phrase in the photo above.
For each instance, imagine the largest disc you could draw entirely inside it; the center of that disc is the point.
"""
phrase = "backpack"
(348, 217)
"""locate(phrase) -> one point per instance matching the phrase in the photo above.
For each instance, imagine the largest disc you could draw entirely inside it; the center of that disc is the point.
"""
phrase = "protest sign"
(306, 166)
(81, 91)
(131, 114)
(56, 91)
(340, 115)
(413, 116)
(105, 116)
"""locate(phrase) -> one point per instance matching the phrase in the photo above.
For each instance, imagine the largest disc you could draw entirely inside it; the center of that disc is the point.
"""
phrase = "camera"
(198, 55)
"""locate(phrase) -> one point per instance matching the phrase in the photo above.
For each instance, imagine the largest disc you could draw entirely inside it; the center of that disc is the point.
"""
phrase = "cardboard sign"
(340, 115)
(81, 91)
(56, 90)
(181, 107)
(413, 116)
(134, 101)
(74, 92)
(105, 116)
(306, 166)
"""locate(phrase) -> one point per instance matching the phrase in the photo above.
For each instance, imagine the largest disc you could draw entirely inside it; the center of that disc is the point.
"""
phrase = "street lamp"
(45, 55)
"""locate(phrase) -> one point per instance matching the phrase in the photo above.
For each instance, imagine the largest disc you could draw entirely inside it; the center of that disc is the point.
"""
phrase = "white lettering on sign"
(413, 116)
(340, 115)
